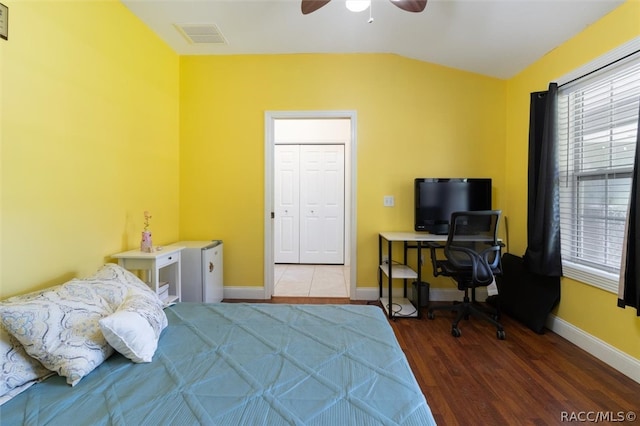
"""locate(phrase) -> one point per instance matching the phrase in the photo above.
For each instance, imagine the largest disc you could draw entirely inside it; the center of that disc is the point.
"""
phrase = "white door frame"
(350, 186)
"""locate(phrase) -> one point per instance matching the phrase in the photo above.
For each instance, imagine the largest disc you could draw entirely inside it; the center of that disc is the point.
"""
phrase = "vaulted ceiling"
(496, 38)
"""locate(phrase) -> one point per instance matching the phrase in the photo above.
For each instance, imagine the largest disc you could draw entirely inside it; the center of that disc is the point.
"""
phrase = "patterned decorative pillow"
(59, 326)
(116, 273)
(115, 282)
(17, 368)
(134, 329)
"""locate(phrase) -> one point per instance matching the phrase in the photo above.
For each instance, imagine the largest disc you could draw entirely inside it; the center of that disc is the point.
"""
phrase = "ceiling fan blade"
(309, 6)
(410, 5)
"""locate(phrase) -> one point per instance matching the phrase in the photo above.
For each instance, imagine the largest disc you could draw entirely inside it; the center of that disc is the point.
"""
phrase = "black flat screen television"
(437, 198)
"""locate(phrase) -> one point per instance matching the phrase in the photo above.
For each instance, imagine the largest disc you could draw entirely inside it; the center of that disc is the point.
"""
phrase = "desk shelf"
(399, 271)
(399, 307)
(402, 307)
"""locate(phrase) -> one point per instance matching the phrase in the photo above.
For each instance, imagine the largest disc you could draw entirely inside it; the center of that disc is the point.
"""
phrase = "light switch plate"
(389, 201)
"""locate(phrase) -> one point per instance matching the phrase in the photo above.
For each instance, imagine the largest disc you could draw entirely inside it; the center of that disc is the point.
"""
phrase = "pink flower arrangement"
(146, 245)
(147, 216)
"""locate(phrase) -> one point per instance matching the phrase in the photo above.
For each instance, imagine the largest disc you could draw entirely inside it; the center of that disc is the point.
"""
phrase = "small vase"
(146, 246)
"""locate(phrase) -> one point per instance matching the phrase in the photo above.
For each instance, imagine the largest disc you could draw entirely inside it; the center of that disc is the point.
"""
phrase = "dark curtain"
(629, 288)
(542, 256)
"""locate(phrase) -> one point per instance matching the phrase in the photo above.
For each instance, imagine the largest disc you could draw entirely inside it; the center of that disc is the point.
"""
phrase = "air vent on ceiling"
(201, 33)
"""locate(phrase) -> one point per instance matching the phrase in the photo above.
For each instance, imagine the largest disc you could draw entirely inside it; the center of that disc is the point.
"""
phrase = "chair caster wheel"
(431, 315)
(501, 335)
(455, 332)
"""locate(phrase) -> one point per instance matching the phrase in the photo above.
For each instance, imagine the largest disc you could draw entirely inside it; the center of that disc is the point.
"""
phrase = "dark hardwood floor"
(527, 379)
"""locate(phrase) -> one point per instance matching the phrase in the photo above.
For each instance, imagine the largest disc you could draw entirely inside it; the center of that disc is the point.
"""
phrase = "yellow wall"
(414, 119)
(584, 306)
(1, 149)
(101, 121)
(89, 134)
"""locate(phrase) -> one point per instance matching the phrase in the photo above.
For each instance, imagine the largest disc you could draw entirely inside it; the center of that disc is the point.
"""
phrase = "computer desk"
(410, 240)
(392, 270)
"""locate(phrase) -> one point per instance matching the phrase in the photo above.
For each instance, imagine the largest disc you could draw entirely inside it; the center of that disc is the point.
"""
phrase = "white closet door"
(287, 204)
(322, 204)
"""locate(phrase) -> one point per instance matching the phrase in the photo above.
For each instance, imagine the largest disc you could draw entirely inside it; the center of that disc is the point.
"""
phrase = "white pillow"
(17, 368)
(135, 328)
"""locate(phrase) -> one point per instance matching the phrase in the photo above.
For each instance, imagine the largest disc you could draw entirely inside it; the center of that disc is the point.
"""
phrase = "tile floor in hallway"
(311, 280)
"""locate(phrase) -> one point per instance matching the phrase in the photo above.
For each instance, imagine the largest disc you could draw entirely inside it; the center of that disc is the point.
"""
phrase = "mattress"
(253, 364)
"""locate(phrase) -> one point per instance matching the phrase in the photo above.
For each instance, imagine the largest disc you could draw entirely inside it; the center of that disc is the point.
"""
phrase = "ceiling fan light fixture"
(358, 5)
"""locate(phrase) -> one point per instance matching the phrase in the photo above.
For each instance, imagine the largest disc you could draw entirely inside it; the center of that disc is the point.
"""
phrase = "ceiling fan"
(309, 6)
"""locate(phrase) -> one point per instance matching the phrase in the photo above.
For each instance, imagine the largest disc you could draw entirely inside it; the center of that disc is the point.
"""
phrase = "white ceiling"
(496, 38)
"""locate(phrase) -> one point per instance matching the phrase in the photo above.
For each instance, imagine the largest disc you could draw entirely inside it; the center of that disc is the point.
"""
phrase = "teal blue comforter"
(244, 364)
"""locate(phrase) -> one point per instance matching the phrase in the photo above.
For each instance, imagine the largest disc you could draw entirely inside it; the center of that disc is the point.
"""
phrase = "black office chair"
(472, 258)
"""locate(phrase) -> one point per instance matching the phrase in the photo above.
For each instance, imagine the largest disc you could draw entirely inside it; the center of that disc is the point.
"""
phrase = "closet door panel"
(322, 204)
(287, 204)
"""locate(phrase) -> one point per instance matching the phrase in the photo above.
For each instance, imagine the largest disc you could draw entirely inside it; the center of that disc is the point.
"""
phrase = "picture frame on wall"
(4, 22)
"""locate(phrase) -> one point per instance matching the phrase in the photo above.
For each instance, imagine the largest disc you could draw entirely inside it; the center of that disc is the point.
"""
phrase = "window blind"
(597, 128)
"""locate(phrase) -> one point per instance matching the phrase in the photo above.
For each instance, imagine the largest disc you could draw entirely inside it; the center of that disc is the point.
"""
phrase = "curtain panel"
(543, 256)
(629, 285)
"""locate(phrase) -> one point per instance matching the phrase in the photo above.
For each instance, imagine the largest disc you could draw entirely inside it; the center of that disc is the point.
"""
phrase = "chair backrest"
(472, 243)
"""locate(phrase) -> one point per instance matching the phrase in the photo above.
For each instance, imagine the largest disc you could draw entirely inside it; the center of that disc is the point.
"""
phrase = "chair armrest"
(433, 247)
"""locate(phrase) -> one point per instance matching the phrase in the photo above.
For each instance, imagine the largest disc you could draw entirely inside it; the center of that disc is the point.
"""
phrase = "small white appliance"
(201, 271)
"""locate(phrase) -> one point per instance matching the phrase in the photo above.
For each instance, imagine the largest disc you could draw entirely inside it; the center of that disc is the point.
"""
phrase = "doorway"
(300, 280)
(310, 128)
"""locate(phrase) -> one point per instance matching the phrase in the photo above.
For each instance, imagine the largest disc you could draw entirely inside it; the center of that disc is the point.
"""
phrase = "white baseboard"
(435, 294)
(362, 293)
(366, 293)
(252, 293)
(606, 353)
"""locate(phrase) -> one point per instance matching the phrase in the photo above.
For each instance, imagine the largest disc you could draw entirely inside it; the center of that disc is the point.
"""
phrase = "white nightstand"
(160, 268)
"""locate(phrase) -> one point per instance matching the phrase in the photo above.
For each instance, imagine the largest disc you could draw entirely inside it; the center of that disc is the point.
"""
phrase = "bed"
(239, 363)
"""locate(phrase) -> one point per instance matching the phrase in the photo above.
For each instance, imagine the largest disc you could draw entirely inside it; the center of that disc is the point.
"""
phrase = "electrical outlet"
(388, 201)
